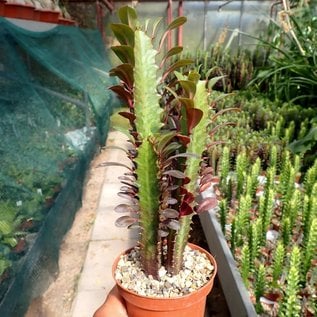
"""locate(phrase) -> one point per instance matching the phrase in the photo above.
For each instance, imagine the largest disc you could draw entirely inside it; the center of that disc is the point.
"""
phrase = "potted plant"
(169, 118)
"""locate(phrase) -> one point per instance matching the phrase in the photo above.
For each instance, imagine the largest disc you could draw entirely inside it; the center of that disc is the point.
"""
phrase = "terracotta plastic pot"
(190, 305)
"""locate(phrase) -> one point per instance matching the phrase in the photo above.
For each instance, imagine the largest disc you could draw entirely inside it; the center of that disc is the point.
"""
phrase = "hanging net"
(54, 113)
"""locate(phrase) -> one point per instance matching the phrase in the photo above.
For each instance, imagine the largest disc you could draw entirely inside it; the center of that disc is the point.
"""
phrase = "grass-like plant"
(168, 112)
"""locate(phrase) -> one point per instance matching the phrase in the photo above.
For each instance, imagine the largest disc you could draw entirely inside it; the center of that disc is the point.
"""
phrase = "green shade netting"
(54, 114)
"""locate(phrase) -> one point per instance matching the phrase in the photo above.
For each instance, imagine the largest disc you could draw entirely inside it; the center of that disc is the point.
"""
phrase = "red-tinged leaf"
(125, 53)
(123, 94)
(189, 197)
(176, 65)
(173, 224)
(185, 209)
(186, 102)
(169, 213)
(125, 73)
(183, 191)
(173, 51)
(184, 139)
(186, 155)
(207, 204)
(186, 180)
(170, 148)
(164, 140)
(175, 173)
(194, 116)
(130, 116)
(125, 221)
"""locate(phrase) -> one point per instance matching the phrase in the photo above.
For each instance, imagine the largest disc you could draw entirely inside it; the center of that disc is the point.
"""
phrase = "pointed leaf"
(213, 81)
(128, 16)
(194, 116)
(189, 87)
(123, 94)
(186, 155)
(124, 53)
(124, 72)
(170, 148)
(155, 26)
(176, 23)
(130, 116)
(176, 65)
(207, 204)
(123, 33)
(184, 139)
(173, 51)
(164, 139)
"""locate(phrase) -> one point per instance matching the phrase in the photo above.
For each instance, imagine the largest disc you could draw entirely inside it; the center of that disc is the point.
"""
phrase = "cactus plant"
(168, 116)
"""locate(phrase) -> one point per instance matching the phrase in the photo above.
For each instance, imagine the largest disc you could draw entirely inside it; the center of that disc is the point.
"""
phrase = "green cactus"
(273, 156)
(278, 262)
(311, 247)
(310, 178)
(286, 230)
(255, 239)
(169, 133)
(291, 305)
(243, 216)
(241, 168)
(223, 211)
(245, 264)
(260, 285)
(255, 173)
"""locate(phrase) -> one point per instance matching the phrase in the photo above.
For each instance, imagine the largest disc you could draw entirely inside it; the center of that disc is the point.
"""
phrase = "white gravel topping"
(195, 273)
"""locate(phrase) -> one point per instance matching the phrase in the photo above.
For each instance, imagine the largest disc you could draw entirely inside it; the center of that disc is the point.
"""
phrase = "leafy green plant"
(168, 116)
(291, 49)
(266, 226)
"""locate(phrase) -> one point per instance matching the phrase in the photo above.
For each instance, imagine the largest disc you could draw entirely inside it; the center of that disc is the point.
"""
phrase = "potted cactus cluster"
(168, 112)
